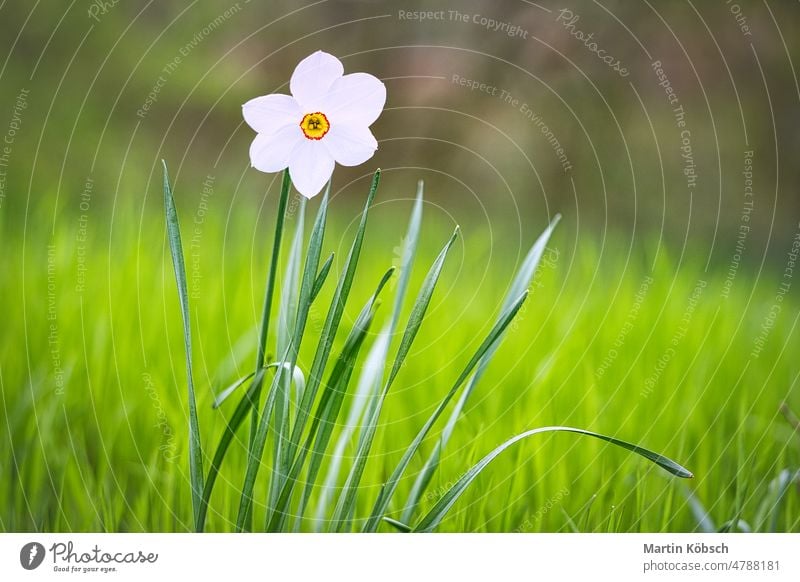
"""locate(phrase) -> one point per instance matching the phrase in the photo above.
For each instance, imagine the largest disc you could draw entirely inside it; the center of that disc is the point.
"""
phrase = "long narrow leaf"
(281, 461)
(273, 269)
(399, 525)
(368, 389)
(223, 396)
(419, 309)
(268, 295)
(323, 275)
(331, 325)
(432, 519)
(333, 398)
(176, 250)
(327, 412)
(287, 314)
(371, 379)
(290, 358)
(521, 281)
(256, 448)
(287, 302)
(346, 502)
(390, 486)
(239, 414)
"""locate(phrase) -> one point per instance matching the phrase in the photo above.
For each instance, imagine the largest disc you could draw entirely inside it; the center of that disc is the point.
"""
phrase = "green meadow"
(629, 339)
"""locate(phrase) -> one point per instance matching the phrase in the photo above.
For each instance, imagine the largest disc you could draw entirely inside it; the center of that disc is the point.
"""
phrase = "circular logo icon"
(31, 555)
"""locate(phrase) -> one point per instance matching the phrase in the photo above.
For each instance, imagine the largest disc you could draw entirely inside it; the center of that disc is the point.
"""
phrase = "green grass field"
(628, 340)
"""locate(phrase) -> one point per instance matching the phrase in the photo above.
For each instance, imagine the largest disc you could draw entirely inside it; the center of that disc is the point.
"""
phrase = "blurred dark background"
(100, 91)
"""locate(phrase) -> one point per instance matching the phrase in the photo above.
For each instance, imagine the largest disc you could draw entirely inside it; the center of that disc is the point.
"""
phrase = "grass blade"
(432, 519)
(256, 448)
(327, 412)
(176, 250)
(287, 302)
(369, 385)
(705, 523)
(331, 325)
(768, 511)
(367, 390)
(323, 275)
(390, 486)
(290, 358)
(273, 271)
(268, 295)
(400, 526)
(521, 282)
(419, 309)
(346, 502)
(410, 240)
(223, 396)
(239, 414)
(287, 314)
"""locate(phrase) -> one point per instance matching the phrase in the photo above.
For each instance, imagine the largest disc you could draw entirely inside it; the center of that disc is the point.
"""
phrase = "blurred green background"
(481, 96)
(89, 70)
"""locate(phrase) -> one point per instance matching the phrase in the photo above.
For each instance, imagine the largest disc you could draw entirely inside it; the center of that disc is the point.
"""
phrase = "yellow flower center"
(315, 125)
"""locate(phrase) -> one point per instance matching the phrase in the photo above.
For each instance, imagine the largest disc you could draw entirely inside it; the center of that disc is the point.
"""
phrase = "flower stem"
(268, 295)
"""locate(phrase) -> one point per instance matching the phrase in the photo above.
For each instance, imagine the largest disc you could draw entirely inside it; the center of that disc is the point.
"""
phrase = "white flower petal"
(312, 78)
(271, 153)
(310, 167)
(270, 113)
(350, 145)
(355, 98)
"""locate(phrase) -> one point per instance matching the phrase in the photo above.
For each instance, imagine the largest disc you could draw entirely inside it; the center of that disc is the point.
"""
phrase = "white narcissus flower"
(325, 121)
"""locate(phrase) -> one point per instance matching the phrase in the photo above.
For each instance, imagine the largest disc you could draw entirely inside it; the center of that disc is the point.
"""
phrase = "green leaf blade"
(432, 519)
(522, 280)
(391, 485)
(370, 382)
(176, 250)
(346, 502)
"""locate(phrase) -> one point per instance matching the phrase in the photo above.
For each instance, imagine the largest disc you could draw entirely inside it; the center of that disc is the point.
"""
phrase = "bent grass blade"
(521, 282)
(434, 517)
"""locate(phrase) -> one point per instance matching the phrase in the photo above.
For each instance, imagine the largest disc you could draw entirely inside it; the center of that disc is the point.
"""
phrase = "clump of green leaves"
(302, 407)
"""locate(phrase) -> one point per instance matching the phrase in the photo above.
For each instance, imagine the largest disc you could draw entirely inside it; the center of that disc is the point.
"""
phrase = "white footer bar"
(406, 557)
